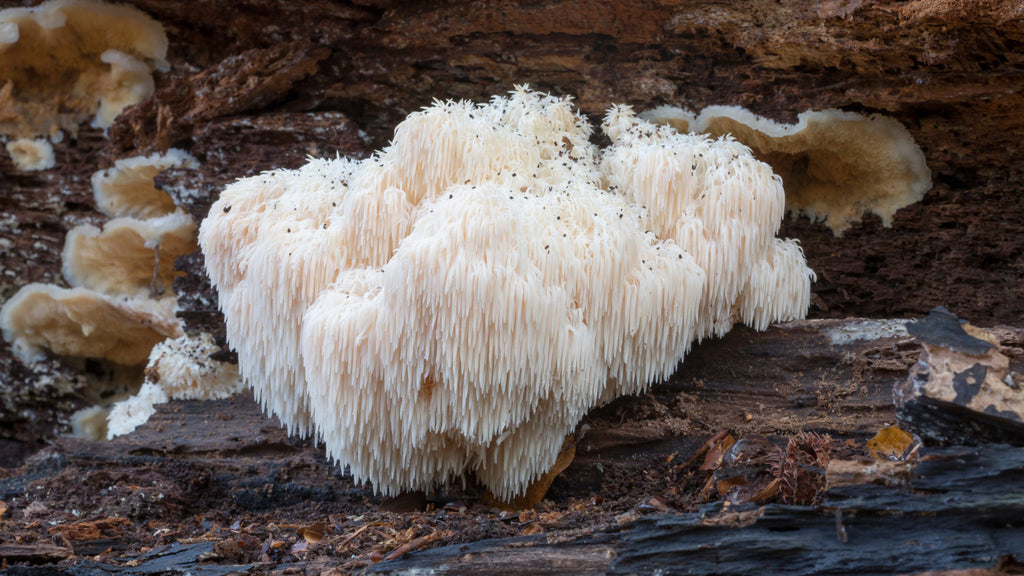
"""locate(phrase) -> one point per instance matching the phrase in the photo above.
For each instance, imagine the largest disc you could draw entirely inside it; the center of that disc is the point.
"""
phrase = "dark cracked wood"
(222, 472)
(961, 511)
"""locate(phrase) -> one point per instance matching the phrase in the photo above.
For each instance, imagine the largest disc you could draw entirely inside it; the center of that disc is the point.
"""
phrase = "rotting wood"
(36, 553)
(183, 559)
(962, 511)
(962, 391)
(223, 470)
(337, 77)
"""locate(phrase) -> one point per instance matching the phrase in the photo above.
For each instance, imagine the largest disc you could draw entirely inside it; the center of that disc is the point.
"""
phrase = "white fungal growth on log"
(459, 301)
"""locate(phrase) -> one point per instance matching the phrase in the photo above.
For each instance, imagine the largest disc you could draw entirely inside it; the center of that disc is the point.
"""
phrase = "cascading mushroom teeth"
(457, 302)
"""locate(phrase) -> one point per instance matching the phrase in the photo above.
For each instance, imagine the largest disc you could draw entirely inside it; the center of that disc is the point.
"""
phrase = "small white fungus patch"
(31, 155)
(127, 415)
(866, 330)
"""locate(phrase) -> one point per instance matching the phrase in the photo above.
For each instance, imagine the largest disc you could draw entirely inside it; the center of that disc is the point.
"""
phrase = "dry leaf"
(892, 443)
(313, 533)
(713, 459)
(729, 483)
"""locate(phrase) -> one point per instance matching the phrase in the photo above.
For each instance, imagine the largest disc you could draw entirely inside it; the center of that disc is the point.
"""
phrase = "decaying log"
(962, 510)
(962, 390)
(261, 84)
(222, 471)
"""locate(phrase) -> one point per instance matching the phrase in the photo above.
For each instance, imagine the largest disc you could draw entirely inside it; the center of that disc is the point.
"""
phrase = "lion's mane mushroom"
(721, 206)
(65, 61)
(178, 369)
(127, 415)
(184, 367)
(837, 166)
(458, 301)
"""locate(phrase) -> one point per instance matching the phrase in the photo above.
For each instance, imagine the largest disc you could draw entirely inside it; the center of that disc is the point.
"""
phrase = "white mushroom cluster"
(458, 301)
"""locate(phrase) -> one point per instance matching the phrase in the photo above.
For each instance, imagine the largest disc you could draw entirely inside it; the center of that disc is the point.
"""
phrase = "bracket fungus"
(86, 324)
(127, 188)
(128, 256)
(120, 305)
(458, 301)
(836, 165)
(66, 61)
(107, 314)
(135, 252)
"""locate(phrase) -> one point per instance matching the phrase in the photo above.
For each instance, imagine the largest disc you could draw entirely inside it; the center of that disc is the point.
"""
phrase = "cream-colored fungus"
(458, 301)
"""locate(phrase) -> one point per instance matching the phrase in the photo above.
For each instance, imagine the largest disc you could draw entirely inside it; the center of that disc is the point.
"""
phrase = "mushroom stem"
(536, 491)
(155, 289)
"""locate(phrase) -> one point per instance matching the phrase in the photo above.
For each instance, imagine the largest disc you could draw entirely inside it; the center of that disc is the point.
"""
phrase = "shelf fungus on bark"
(128, 256)
(120, 303)
(117, 308)
(126, 189)
(961, 391)
(458, 301)
(86, 324)
(66, 61)
(134, 253)
(836, 166)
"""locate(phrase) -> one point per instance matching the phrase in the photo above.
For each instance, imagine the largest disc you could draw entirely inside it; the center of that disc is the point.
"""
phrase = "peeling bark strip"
(962, 390)
(248, 82)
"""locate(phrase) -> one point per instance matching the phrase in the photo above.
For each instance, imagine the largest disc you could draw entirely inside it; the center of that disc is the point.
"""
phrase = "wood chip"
(39, 553)
(92, 529)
